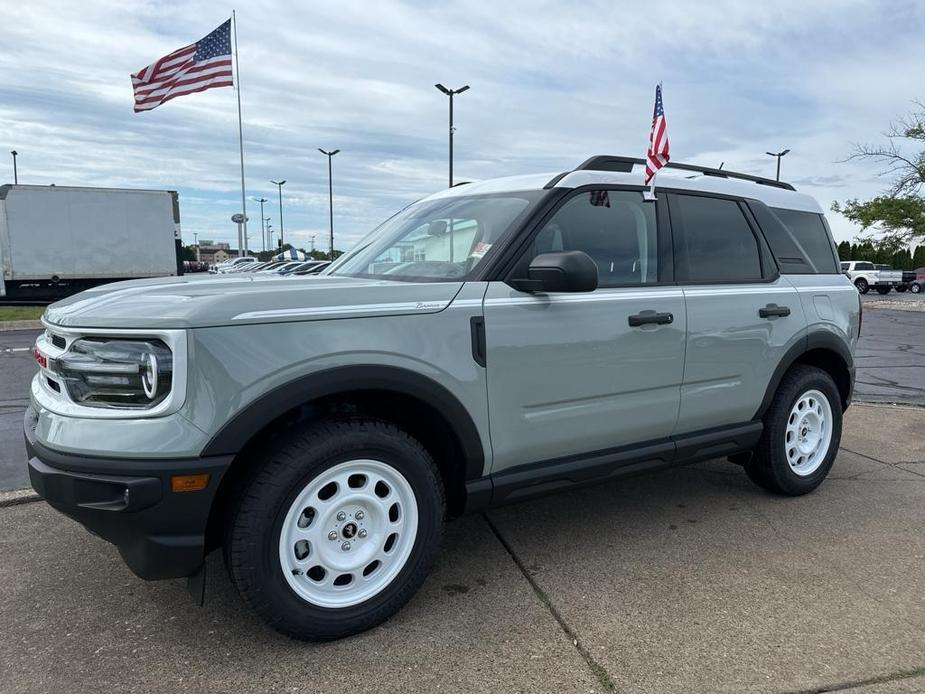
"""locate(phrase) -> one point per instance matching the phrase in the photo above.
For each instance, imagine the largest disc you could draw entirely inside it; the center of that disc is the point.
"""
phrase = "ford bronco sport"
(492, 342)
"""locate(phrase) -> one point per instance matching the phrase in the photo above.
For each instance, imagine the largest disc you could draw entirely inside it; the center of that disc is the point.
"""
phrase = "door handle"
(773, 310)
(650, 317)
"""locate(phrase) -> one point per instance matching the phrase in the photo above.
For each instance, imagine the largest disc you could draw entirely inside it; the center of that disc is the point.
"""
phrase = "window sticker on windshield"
(481, 248)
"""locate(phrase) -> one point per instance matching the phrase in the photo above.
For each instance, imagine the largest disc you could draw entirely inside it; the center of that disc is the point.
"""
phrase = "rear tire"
(802, 432)
(364, 483)
(862, 285)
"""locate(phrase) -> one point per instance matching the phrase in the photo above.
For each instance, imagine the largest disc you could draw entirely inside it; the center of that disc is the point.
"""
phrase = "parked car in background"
(195, 266)
(315, 269)
(866, 276)
(303, 268)
(888, 278)
(280, 268)
(487, 344)
(230, 265)
(917, 284)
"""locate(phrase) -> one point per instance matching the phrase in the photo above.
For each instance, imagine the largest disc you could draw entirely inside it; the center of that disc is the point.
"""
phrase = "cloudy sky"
(552, 83)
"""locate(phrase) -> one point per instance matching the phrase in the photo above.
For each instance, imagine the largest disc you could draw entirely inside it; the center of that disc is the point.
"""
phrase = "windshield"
(437, 240)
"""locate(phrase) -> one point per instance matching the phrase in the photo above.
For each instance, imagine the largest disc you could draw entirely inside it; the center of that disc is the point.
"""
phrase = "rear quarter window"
(803, 245)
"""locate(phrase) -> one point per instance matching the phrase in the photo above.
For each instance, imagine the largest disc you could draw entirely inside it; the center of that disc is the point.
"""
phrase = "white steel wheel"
(808, 434)
(348, 533)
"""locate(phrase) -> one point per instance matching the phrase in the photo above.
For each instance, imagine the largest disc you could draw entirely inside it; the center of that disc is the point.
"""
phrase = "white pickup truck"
(866, 276)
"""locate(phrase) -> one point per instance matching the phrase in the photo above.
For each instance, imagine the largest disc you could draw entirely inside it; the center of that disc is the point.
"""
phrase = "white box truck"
(59, 240)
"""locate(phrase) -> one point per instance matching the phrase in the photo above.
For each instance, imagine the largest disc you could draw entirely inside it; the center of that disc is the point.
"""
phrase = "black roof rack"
(604, 162)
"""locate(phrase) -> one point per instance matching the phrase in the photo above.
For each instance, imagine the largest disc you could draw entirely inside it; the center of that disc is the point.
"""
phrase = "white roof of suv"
(689, 178)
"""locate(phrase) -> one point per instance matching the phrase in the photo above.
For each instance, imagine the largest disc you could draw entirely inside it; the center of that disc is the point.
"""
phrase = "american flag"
(203, 65)
(657, 156)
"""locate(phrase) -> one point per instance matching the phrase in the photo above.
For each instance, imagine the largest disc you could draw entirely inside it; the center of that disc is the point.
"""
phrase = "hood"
(196, 302)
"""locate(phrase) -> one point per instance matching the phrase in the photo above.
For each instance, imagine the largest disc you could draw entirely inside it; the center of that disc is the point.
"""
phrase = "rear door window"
(716, 242)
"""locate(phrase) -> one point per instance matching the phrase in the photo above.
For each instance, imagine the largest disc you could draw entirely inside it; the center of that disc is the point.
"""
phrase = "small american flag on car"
(197, 67)
(657, 155)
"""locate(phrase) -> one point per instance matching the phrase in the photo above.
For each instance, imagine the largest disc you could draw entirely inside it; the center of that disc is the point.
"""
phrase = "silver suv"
(489, 343)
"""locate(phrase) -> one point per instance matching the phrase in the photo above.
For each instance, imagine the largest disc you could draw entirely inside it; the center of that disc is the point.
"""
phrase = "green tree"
(187, 253)
(898, 215)
(844, 250)
(865, 251)
(918, 258)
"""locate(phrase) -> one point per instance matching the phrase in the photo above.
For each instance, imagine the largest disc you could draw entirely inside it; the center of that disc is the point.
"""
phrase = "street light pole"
(451, 93)
(330, 156)
(15, 172)
(279, 185)
(269, 234)
(778, 155)
(263, 233)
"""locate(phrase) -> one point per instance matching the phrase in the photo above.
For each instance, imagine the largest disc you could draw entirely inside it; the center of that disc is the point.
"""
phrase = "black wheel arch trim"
(237, 431)
(816, 339)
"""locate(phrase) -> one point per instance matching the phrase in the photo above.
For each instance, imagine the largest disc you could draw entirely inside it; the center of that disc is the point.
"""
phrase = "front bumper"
(129, 502)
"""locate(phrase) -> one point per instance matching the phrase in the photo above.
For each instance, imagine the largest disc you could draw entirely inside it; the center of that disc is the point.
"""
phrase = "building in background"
(213, 252)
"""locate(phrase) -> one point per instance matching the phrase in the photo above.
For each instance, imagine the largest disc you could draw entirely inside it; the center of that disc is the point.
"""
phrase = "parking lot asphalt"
(691, 580)
(16, 370)
(891, 353)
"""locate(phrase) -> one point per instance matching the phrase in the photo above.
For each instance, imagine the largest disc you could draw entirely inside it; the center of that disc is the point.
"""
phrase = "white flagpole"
(237, 84)
(650, 194)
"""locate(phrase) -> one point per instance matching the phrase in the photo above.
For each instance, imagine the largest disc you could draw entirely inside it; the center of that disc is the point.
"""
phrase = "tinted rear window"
(803, 246)
(718, 243)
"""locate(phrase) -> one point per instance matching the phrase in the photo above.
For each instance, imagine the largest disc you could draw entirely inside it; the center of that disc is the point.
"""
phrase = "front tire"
(802, 432)
(915, 288)
(862, 286)
(337, 529)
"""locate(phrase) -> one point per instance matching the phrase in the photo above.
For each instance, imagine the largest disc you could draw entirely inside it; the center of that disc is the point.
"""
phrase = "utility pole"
(330, 156)
(15, 172)
(451, 93)
(269, 237)
(263, 233)
(778, 155)
(279, 185)
(313, 242)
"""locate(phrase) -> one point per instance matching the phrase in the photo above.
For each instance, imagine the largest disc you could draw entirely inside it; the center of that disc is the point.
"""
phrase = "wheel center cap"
(349, 531)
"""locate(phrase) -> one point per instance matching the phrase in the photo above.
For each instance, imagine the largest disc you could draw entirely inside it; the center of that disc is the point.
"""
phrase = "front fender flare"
(235, 433)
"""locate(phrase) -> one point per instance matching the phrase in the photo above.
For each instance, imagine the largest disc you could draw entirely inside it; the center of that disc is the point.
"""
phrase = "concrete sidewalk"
(692, 580)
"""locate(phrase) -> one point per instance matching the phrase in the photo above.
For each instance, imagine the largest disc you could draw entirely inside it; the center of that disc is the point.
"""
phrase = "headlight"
(110, 372)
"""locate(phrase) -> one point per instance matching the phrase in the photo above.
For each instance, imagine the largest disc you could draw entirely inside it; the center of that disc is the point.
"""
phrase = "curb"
(18, 497)
(20, 325)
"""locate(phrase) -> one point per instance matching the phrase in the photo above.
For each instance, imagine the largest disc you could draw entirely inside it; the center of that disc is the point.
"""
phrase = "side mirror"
(565, 271)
